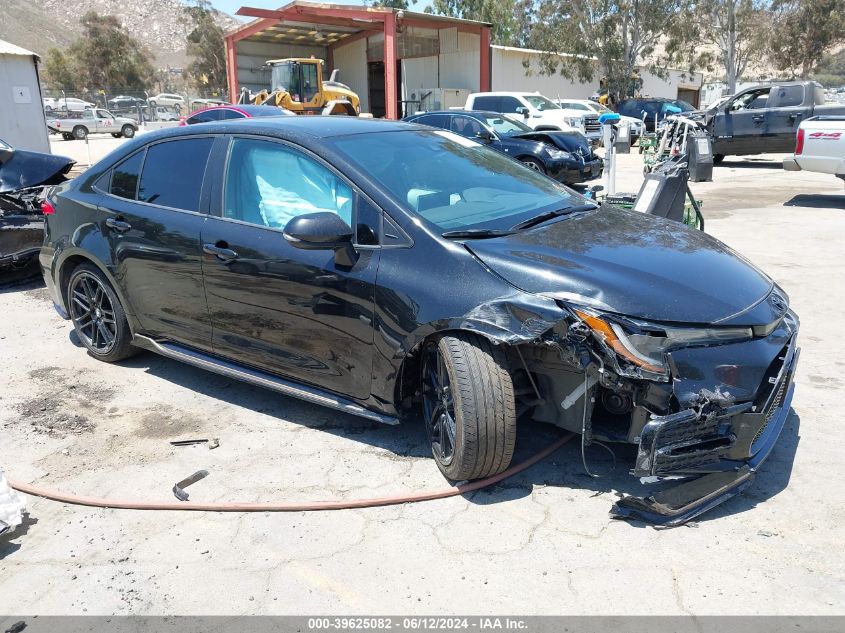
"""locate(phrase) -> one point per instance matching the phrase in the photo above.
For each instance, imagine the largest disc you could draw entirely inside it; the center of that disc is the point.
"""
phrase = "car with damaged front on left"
(392, 271)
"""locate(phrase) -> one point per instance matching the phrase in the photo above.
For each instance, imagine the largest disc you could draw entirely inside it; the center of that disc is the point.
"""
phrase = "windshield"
(453, 182)
(541, 103)
(683, 105)
(506, 126)
(282, 76)
(598, 107)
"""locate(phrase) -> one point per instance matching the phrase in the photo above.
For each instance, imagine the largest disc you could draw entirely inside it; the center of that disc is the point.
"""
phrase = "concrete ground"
(540, 543)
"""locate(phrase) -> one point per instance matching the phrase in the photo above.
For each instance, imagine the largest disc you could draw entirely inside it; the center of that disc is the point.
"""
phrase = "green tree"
(605, 40)
(731, 35)
(60, 70)
(394, 4)
(106, 57)
(804, 31)
(508, 26)
(207, 48)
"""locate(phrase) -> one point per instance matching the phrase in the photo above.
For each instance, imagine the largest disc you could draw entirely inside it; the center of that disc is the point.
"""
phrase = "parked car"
(197, 104)
(166, 114)
(819, 147)
(126, 102)
(538, 112)
(636, 126)
(387, 269)
(48, 103)
(71, 104)
(93, 121)
(652, 110)
(226, 112)
(565, 156)
(23, 177)
(764, 119)
(167, 99)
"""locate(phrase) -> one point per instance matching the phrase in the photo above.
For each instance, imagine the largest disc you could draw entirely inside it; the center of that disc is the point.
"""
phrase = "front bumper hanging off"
(718, 448)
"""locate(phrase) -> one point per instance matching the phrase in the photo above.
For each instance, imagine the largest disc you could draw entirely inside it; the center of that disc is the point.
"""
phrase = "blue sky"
(230, 6)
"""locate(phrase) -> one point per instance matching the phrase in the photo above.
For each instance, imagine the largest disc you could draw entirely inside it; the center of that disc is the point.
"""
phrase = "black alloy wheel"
(97, 316)
(439, 407)
(92, 313)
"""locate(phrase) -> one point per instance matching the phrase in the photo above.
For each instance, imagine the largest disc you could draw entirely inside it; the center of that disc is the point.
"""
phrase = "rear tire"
(718, 158)
(469, 406)
(97, 315)
(80, 132)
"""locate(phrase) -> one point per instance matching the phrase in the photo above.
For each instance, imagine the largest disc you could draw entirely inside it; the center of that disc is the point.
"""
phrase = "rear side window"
(124, 181)
(493, 104)
(173, 173)
(229, 114)
(790, 96)
(204, 117)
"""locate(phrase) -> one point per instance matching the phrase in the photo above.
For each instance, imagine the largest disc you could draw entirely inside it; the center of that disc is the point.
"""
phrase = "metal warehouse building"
(400, 61)
(22, 122)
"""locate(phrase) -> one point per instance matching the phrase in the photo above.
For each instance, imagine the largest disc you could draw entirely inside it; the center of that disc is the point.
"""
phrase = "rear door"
(296, 313)
(152, 217)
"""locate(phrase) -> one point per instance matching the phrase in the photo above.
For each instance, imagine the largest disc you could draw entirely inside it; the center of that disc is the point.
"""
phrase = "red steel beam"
(484, 56)
(390, 83)
(232, 70)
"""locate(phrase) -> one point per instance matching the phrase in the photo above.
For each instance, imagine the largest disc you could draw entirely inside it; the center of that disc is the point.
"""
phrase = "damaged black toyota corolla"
(384, 269)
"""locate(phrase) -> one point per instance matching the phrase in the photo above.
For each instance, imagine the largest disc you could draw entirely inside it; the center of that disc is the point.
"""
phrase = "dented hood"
(20, 169)
(632, 264)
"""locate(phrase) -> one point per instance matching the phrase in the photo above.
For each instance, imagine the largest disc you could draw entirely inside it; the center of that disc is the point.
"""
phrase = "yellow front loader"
(296, 84)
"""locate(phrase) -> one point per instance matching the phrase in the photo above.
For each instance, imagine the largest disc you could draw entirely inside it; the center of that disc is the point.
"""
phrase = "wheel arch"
(70, 261)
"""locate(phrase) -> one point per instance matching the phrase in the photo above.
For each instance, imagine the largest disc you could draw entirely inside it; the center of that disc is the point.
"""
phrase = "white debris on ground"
(11, 506)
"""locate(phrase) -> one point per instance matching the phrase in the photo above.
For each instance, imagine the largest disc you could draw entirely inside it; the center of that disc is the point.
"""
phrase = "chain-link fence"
(142, 106)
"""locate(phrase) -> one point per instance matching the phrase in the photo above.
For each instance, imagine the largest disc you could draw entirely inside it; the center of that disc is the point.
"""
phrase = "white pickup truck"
(819, 146)
(93, 120)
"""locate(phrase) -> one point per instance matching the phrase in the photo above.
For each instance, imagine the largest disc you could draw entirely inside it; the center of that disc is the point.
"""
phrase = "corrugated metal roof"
(7, 48)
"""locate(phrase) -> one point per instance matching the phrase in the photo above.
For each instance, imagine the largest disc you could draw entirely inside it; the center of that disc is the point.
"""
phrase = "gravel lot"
(540, 543)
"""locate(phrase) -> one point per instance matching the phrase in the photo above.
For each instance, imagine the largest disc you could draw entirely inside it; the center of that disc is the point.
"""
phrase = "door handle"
(794, 115)
(220, 250)
(758, 118)
(118, 225)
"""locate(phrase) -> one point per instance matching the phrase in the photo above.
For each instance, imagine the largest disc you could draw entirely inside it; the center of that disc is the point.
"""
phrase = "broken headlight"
(642, 346)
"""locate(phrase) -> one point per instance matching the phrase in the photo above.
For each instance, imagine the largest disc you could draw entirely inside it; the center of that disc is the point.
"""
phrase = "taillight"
(799, 141)
(47, 207)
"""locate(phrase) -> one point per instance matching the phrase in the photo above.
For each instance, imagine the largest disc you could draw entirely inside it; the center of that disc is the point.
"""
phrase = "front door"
(152, 217)
(296, 313)
(786, 117)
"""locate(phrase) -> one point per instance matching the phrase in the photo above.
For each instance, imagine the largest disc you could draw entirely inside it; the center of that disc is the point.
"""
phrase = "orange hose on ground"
(425, 495)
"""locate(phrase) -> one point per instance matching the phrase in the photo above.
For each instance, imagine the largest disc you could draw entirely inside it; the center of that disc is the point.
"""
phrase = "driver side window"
(269, 184)
(466, 126)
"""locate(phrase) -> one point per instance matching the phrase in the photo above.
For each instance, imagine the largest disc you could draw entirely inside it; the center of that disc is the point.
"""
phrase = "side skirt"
(262, 379)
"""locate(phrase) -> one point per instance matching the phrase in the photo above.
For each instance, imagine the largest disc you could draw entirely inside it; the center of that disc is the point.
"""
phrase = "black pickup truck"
(764, 119)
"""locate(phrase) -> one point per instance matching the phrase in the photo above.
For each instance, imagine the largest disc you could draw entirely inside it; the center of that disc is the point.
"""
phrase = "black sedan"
(565, 156)
(387, 269)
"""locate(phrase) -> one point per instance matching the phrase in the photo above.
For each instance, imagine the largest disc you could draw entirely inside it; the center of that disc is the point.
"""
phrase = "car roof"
(475, 113)
(289, 127)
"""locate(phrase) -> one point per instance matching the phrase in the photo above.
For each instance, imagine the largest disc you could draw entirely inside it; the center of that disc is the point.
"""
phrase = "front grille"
(773, 407)
(591, 124)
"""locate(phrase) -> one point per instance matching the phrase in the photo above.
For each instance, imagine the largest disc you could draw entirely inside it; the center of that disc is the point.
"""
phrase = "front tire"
(98, 316)
(469, 406)
(127, 131)
(533, 163)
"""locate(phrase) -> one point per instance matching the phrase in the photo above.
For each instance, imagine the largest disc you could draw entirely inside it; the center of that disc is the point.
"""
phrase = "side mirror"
(322, 231)
(485, 136)
(524, 112)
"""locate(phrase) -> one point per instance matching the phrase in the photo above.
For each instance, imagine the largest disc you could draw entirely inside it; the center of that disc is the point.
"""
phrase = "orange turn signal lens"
(605, 332)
